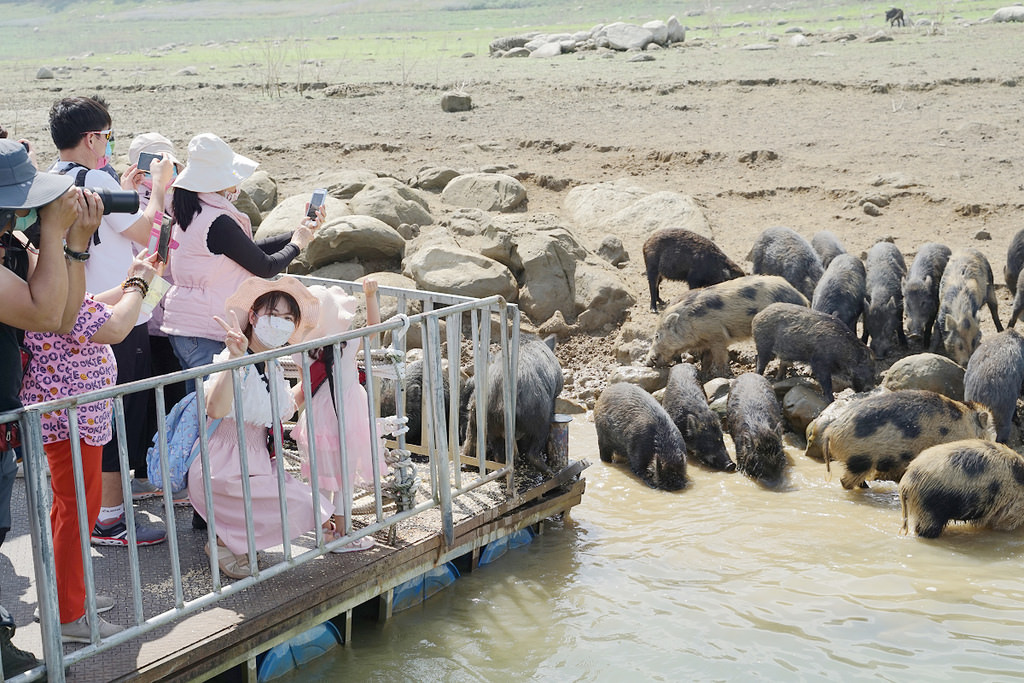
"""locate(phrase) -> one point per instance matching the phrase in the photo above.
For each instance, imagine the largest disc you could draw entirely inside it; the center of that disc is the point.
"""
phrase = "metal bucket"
(558, 442)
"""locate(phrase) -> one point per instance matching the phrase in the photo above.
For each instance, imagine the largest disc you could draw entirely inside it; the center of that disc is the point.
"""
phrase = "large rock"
(676, 31)
(347, 270)
(262, 189)
(1014, 13)
(459, 271)
(622, 36)
(344, 183)
(601, 298)
(547, 50)
(926, 371)
(361, 238)
(474, 230)
(658, 29)
(391, 202)
(647, 378)
(456, 101)
(434, 177)
(289, 214)
(624, 208)
(246, 205)
(487, 191)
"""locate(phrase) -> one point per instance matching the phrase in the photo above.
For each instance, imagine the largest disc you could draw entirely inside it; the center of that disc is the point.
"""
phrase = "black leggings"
(133, 363)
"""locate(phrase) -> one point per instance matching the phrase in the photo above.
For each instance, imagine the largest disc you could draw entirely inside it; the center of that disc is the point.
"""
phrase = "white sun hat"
(212, 165)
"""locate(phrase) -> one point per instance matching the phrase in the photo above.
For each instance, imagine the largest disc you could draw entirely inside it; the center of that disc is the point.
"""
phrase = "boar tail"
(903, 507)
(828, 460)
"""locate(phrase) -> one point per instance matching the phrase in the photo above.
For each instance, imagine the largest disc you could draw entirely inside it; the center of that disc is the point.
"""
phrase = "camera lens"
(118, 201)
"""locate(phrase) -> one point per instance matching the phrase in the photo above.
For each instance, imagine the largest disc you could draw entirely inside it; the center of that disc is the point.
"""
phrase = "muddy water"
(720, 581)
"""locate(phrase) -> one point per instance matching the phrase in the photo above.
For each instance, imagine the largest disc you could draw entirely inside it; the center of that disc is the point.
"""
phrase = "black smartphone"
(146, 159)
(164, 245)
(318, 199)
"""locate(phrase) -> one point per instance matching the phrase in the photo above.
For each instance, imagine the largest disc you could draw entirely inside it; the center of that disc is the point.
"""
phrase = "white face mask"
(233, 195)
(272, 331)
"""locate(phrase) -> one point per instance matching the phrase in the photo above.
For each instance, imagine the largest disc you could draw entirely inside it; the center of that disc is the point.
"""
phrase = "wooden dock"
(226, 634)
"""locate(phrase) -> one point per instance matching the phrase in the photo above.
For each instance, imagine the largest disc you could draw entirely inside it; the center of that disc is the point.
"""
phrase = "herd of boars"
(802, 303)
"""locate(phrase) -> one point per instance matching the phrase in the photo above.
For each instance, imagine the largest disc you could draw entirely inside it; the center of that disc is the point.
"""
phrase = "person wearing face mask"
(216, 250)
(262, 315)
(164, 362)
(82, 130)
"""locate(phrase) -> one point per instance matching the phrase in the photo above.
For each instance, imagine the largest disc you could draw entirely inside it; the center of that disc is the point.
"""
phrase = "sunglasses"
(108, 134)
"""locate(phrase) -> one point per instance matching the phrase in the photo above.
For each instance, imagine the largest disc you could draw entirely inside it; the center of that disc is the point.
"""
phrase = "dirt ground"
(929, 122)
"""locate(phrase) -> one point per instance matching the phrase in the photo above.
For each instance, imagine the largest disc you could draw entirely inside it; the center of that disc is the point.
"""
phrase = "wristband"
(136, 282)
(80, 256)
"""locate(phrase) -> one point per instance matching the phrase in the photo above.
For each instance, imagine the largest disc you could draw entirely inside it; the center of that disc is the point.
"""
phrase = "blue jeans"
(193, 352)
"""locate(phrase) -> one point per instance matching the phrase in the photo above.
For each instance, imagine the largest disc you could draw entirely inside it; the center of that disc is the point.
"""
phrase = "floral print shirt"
(66, 365)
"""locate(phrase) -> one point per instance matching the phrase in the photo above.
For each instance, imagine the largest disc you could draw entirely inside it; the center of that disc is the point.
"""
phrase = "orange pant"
(67, 550)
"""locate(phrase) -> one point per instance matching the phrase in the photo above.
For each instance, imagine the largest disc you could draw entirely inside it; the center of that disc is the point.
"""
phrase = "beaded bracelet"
(136, 282)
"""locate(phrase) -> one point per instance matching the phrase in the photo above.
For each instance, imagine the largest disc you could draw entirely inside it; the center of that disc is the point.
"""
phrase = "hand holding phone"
(317, 200)
(146, 159)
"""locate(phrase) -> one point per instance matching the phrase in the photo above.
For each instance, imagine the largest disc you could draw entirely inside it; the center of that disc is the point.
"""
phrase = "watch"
(76, 255)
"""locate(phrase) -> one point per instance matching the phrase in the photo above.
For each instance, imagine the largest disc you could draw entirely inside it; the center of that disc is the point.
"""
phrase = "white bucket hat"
(213, 166)
(152, 143)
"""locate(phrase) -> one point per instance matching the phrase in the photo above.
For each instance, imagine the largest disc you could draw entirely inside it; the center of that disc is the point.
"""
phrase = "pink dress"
(226, 473)
(362, 457)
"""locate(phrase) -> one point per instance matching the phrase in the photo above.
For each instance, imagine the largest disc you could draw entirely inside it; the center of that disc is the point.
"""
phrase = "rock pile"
(617, 36)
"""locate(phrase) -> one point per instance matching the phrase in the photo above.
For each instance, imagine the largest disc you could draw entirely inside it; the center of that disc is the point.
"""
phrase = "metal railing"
(452, 331)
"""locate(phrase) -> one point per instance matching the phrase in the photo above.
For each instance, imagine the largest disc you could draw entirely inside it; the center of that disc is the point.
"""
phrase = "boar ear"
(949, 322)
(692, 425)
(928, 281)
(551, 340)
(891, 303)
(670, 319)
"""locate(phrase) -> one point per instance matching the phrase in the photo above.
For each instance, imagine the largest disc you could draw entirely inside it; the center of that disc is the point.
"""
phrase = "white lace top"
(256, 406)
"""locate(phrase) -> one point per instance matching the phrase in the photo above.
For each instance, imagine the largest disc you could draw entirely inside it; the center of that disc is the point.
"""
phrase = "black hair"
(185, 206)
(73, 117)
(268, 301)
(3, 132)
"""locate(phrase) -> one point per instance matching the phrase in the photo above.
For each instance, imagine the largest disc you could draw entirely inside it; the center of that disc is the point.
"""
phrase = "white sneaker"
(104, 603)
(78, 631)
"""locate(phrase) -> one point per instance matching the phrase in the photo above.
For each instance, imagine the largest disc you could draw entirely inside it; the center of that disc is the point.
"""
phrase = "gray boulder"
(347, 270)
(44, 74)
(546, 51)
(456, 101)
(1003, 14)
(676, 31)
(361, 238)
(647, 378)
(517, 52)
(391, 201)
(622, 36)
(434, 177)
(623, 207)
(658, 29)
(928, 371)
(612, 251)
(459, 271)
(487, 191)
(246, 205)
(262, 189)
(344, 183)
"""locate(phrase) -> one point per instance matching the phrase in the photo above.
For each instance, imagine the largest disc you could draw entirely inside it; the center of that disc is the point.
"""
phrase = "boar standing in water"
(1011, 271)
(678, 254)
(966, 285)
(754, 417)
(781, 251)
(538, 384)
(921, 291)
(794, 333)
(877, 437)
(631, 423)
(969, 481)
(883, 317)
(687, 405)
(841, 290)
(705, 321)
(994, 377)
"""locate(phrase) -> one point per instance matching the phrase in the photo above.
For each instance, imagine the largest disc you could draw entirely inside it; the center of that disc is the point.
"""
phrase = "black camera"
(117, 201)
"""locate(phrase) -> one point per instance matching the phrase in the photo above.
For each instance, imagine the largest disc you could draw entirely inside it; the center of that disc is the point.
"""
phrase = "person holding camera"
(216, 251)
(83, 133)
(35, 301)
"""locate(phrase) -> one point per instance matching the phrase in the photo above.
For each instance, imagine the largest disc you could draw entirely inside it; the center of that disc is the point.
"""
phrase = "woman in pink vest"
(216, 251)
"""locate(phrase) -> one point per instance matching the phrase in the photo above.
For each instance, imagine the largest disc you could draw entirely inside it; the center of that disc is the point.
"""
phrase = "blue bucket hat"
(21, 185)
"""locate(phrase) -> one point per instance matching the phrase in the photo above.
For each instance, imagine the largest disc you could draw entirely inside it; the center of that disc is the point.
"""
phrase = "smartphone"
(164, 244)
(146, 159)
(318, 199)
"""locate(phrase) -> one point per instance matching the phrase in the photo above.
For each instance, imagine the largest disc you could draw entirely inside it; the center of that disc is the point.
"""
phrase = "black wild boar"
(631, 423)
(877, 437)
(921, 290)
(969, 481)
(994, 376)
(966, 285)
(827, 246)
(794, 333)
(687, 405)
(678, 254)
(883, 317)
(1014, 263)
(413, 384)
(781, 251)
(841, 290)
(705, 321)
(538, 384)
(754, 417)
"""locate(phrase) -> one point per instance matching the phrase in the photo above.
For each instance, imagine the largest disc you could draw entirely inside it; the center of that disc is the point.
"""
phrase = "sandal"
(332, 534)
(234, 566)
